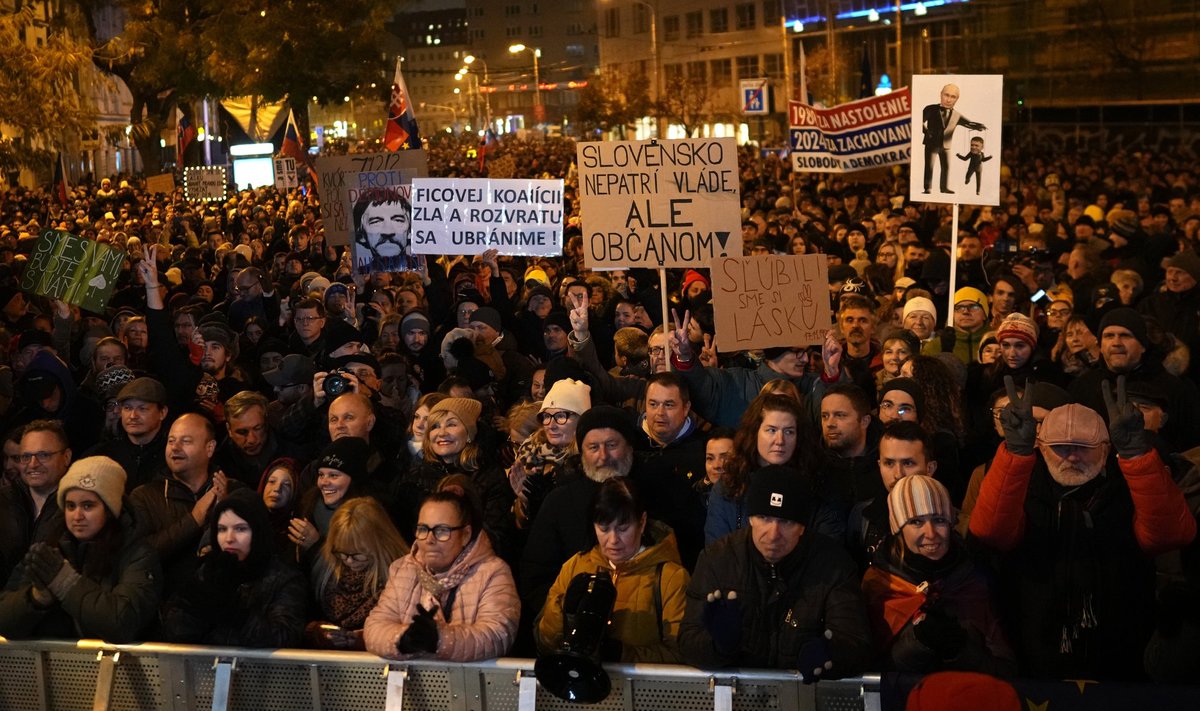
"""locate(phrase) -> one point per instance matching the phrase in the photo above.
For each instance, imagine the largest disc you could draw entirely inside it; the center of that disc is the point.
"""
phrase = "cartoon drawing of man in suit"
(975, 160)
(938, 122)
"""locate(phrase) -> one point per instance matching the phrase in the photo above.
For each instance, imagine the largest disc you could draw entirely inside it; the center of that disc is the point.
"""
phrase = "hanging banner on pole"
(867, 133)
(670, 203)
(956, 138)
(340, 180)
(771, 301)
(471, 216)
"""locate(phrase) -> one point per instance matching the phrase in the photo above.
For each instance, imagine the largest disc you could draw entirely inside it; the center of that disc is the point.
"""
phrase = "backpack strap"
(658, 598)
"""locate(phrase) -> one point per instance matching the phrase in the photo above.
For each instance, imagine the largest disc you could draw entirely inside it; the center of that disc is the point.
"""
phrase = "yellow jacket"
(635, 621)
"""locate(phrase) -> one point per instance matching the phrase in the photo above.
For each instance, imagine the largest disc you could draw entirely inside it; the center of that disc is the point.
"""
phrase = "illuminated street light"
(537, 83)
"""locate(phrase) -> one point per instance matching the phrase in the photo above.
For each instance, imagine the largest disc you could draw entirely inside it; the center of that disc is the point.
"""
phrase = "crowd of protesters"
(251, 446)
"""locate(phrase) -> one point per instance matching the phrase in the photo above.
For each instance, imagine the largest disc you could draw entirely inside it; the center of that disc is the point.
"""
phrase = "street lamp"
(538, 112)
(487, 99)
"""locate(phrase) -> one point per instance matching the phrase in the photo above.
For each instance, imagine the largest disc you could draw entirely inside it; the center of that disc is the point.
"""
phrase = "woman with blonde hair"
(352, 571)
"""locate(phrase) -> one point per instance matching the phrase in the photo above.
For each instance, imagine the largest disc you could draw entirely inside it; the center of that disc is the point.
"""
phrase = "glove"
(815, 658)
(536, 488)
(422, 634)
(1020, 429)
(1126, 425)
(44, 562)
(723, 620)
(941, 633)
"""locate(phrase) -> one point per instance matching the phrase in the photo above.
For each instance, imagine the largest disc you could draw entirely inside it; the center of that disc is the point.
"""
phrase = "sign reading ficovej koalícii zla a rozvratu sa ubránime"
(473, 215)
(664, 203)
(78, 271)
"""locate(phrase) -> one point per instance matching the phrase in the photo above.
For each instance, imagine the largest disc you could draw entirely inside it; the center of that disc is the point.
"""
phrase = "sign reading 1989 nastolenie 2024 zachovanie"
(868, 133)
(471, 216)
(671, 203)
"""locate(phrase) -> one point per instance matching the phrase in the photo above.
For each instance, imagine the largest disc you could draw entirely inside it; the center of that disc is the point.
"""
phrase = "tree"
(611, 101)
(38, 102)
(828, 72)
(688, 103)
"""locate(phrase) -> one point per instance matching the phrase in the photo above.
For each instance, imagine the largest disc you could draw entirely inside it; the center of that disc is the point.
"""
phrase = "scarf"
(441, 585)
(537, 456)
(346, 602)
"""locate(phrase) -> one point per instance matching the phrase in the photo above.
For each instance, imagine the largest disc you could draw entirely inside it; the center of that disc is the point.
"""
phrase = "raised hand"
(678, 339)
(579, 318)
(1126, 424)
(708, 354)
(1020, 429)
(831, 354)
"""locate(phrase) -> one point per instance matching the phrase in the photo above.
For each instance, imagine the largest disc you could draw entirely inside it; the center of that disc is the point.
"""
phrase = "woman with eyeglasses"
(549, 455)
(351, 572)
(930, 606)
(451, 598)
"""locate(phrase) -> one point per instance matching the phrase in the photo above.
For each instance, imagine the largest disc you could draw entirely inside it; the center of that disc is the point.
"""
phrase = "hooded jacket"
(646, 623)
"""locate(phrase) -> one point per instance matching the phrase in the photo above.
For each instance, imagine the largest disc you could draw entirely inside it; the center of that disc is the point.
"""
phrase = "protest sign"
(76, 270)
(204, 183)
(381, 217)
(470, 216)
(285, 173)
(341, 179)
(502, 167)
(867, 133)
(659, 203)
(956, 134)
(164, 183)
(772, 301)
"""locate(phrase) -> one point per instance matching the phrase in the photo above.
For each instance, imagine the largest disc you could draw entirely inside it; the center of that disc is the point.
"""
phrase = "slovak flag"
(186, 133)
(487, 146)
(401, 132)
(292, 146)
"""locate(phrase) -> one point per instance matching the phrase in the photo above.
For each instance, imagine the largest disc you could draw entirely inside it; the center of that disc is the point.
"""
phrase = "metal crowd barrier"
(94, 675)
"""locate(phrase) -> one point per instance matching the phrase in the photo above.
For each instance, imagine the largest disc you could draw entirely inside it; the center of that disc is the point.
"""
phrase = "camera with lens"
(336, 383)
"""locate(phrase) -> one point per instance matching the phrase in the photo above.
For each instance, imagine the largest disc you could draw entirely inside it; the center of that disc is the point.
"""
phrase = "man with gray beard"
(605, 437)
(1078, 530)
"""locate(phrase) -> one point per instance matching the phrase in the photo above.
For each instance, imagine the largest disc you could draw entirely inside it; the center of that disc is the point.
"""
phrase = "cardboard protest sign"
(470, 216)
(164, 183)
(659, 203)
(285, 173)
(206, 182)
(76, 270)
(502, 167)
(340, 180)
(956, 135)
(867, 133)
(771, 301)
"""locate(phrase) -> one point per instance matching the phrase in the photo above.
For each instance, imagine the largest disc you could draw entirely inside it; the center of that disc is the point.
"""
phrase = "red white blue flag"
(401, 133)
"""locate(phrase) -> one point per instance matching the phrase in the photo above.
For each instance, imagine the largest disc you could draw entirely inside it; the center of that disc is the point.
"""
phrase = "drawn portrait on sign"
(382, 221)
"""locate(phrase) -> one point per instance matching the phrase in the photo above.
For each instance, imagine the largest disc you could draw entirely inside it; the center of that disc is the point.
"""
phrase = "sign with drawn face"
(382, 227)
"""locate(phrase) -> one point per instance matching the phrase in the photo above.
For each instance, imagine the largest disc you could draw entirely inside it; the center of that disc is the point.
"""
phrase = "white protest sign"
(659, 203)
(956, 138)
(470, 216)
(204, 183)
(285, 173)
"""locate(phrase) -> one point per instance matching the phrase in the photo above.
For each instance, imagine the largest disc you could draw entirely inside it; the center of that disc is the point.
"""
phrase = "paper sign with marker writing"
(76, 270)
(659, 203)
(471, 216)
(771, 302)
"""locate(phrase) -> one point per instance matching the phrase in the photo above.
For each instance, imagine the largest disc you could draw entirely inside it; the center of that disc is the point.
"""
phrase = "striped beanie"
(1018, 326)
(918, 495)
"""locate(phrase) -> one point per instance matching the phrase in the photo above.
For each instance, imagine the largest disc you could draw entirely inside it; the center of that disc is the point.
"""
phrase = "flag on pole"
(185, 134)
(803, 76)
(487, 145)
(866, 83)
(61, 189)
(293, 146)
(401, 132)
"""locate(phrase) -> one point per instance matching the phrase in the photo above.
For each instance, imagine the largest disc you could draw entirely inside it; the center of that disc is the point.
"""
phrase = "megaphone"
(573, 673)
